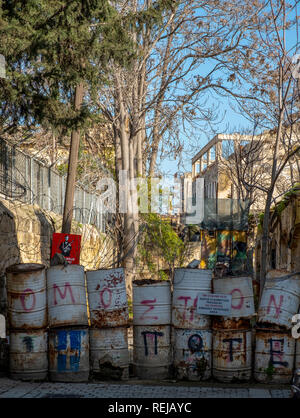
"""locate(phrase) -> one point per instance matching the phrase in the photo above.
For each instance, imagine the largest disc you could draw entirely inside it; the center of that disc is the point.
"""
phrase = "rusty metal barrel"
(151, 328)
(151, 302)
(192, 354)
(28, 355)
(274, 356)
(232, 349)
(151, 351)
(69, 354)
(109, 356)
(188, 283)
(26, 296)
(107, 298)
(241, 291)
(280, 300)
(66, 295)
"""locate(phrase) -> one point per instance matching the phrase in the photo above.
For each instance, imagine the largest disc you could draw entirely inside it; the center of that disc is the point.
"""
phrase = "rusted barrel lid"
(24, 268)
(142, 282)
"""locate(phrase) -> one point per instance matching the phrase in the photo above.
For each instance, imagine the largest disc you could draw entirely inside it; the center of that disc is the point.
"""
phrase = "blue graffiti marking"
(156, 334)
(195, 343)
(62, 345)
(75, 342)
(75, 345)
(277, 343)
(231, 341)
(28, 342)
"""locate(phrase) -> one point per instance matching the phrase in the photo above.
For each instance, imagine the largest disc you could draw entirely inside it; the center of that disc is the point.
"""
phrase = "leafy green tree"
(51, 47)
(57, 55)
(160, 240)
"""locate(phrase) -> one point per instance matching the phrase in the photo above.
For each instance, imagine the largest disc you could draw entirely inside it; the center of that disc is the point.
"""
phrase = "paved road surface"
(17, 389)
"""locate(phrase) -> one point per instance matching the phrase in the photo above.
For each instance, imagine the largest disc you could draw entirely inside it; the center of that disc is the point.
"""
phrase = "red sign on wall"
(68, 245)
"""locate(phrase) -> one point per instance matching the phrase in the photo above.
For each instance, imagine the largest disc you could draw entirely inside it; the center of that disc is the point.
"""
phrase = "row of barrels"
(171, 339)
(83, 326)
(66, 323)
(169, 333)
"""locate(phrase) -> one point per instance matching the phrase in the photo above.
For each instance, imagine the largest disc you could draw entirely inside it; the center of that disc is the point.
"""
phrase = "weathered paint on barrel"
(226, 323)
(66, 295)
(188, 283)
(109, 355)
(107, 298)
(232, 355)
(69, 354)
(28, 355)
(192, 354)
(241, 291)
(151, 302)
(297, 354)
(151, 351)
(274, 356)
(26, 296)
(280, 300)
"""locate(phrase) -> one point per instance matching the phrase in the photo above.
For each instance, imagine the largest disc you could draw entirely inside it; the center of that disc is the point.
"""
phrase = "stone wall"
(26, 237)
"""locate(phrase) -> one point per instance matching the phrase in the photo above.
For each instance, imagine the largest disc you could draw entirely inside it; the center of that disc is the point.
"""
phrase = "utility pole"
(72, 167)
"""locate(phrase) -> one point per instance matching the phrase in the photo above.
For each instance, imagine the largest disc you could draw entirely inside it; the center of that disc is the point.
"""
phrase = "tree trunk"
(72, 168)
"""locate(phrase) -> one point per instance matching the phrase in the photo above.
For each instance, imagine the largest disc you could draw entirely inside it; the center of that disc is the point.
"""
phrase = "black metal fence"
(27, 180)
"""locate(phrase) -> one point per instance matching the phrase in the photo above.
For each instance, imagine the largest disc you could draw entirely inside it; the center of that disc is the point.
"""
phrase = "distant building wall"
(284, 244)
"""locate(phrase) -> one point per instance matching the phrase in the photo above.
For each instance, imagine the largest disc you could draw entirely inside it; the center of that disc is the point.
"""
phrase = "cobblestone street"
(133, 389)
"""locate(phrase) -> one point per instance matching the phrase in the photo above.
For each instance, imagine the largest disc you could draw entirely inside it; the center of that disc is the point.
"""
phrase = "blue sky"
(231, 121)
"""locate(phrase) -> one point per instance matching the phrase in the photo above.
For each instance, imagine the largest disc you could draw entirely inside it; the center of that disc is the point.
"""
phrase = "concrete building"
(220, 160)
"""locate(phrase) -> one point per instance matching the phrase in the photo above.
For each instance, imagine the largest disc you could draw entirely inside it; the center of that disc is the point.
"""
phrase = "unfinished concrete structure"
(219, 162)
(206, 164)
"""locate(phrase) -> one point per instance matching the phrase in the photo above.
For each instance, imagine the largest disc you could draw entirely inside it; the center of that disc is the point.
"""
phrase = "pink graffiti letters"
(150, 304)
(194, 307)
(238, 306)
(63, 295)
(277, 307)
(23, 297)
(102, 297)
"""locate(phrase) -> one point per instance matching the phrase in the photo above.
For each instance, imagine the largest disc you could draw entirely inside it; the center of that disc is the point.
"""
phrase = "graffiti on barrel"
(75, 348)
(152, 336)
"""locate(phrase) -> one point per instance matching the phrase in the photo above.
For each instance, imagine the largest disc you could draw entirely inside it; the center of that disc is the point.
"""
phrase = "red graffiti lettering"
(194, 308)
(272, 299)
(107, 304)
(239, 306)
(185, 298)
(149, 303)
(63, 295)
(276, 350)
(23, 296)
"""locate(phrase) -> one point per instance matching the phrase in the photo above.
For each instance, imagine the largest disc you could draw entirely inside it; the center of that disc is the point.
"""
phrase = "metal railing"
(24, 178)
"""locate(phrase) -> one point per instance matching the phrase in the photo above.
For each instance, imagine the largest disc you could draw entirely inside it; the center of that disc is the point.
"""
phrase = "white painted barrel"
(297, 354)
(109, 355)
(274, 356)
(280, 300)
(188, 283)
(151, 351)
(69, 354)
(151, 302)
(232, 355)
(192, 354)
(241, 291)
(26, 296)
(66, 295)
(28, 355)
(107, 298)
